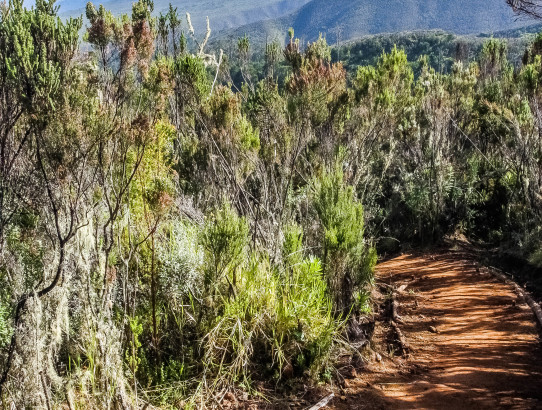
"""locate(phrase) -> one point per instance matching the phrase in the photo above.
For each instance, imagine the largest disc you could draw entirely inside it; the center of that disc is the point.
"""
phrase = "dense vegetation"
(441, 49)
(166, 237)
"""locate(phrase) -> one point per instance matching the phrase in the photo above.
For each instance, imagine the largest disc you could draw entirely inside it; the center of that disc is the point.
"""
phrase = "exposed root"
(395, 320)
(401, 339)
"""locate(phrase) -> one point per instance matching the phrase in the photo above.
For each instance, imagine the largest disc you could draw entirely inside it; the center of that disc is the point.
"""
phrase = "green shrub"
(224, 240)
(276, 321)
(181, 262)
(305, 324)
(348, 259)
(190, 72)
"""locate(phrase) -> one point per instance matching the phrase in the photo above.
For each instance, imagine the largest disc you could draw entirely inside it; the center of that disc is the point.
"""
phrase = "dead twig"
(322, 403)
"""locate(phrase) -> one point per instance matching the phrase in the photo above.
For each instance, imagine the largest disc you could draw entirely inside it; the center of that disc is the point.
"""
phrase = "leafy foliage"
(348, 261)
(167, 233)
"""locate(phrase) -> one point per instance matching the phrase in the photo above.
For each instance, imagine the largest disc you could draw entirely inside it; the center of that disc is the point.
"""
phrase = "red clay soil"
(473, 343)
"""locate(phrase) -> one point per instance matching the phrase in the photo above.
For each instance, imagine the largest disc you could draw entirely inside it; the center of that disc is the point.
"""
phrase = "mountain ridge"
(223, 15)
(342, 21)
(338, 20)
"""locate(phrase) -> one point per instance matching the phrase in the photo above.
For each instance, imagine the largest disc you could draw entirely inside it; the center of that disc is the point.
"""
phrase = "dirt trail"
(485, 353)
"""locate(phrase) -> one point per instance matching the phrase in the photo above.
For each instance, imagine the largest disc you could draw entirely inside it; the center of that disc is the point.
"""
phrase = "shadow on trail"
(486, 352)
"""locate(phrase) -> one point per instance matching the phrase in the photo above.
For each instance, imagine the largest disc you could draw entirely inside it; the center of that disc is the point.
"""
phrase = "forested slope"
(347, 20)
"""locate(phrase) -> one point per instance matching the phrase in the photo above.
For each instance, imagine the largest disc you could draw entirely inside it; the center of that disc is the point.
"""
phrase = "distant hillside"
(517, 32)
(223, 14)
(440, 48)
(347, 20)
